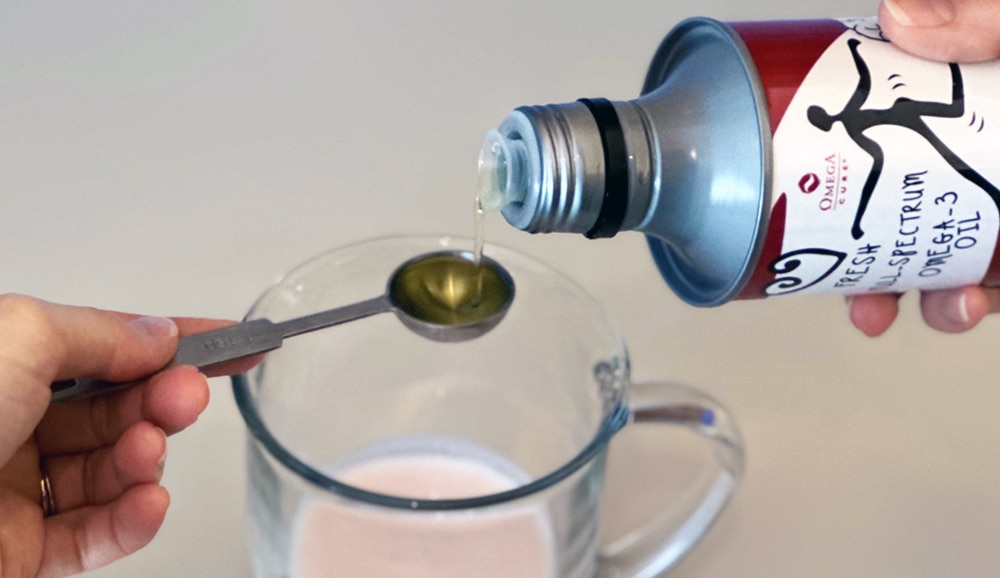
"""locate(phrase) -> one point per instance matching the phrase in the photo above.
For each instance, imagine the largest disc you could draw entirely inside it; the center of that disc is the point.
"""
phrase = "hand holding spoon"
(443, 296)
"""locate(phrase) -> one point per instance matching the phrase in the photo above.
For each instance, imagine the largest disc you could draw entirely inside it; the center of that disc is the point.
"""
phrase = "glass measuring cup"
(375, 452)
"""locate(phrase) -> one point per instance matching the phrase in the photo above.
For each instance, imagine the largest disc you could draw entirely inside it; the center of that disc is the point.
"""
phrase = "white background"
(176, 157)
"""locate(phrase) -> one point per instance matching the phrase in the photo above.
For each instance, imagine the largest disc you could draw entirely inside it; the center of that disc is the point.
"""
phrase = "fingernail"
(921, 13)
(155, 327)
(958, 308)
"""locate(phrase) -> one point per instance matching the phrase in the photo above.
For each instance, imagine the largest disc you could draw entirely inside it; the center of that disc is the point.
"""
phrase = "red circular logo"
(808, 183)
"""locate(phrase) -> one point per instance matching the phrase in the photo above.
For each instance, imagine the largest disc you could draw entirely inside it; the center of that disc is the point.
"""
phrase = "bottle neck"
(582, 167)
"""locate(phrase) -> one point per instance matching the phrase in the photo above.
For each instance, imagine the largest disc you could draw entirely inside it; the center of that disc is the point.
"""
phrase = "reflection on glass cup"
(374, 452)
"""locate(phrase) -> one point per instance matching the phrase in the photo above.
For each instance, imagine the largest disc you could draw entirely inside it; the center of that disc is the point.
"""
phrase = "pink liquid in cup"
(342, 540)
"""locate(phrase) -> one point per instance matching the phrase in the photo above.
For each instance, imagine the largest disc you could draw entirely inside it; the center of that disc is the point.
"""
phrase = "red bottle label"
(882, 178)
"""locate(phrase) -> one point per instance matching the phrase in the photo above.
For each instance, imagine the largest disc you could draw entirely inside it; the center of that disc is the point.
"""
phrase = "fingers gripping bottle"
(771, 158)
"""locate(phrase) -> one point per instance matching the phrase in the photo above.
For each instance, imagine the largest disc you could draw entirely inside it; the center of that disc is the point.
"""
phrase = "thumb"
(946, 30)
(41, 342)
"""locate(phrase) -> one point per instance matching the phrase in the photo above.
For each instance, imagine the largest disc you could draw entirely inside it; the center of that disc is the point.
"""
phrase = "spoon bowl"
(447, 296)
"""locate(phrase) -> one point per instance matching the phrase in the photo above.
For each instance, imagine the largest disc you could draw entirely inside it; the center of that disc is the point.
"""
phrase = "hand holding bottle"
(946, 30)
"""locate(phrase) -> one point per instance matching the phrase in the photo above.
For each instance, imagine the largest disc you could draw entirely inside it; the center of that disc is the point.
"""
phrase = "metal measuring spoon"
(443, 296)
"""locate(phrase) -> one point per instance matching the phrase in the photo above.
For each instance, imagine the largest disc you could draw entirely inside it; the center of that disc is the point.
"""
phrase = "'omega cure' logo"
(832, 183)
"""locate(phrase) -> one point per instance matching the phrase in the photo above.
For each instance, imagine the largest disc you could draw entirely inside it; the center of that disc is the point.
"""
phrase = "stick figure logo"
(905, 113)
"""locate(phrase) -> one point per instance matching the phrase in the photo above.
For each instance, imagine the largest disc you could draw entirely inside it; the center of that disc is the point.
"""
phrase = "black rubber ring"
(615, 202)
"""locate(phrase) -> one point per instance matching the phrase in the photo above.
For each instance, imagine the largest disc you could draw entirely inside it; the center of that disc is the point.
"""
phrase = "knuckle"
(28, 316)
(30, 343)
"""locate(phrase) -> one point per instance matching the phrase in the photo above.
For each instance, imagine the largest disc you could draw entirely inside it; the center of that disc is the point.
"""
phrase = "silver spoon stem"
(332, 317)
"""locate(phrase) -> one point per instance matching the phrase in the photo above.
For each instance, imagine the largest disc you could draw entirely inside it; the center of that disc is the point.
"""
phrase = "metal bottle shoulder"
(705, 100)
(687, 163)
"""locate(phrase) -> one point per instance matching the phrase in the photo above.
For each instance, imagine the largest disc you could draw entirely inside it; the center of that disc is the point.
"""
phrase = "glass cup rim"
(612, 422)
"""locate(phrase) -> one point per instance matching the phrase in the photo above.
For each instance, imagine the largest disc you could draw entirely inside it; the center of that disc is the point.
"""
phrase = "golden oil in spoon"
(450, 289)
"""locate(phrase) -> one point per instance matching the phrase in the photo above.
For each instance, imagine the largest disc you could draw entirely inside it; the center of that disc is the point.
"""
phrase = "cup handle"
(658, 545)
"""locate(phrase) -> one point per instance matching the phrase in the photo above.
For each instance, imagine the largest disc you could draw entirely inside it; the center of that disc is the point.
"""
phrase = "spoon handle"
(358, 310)
(210, 348)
